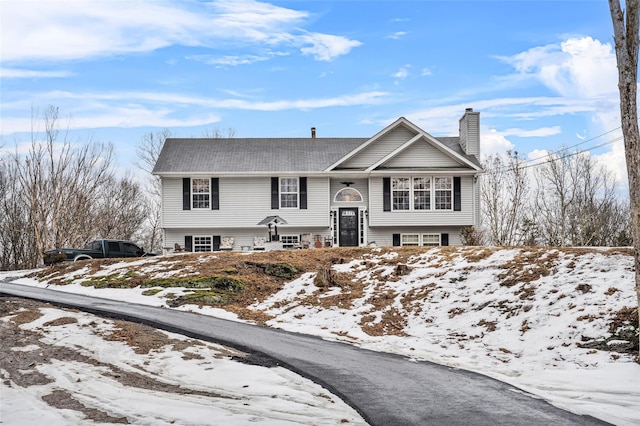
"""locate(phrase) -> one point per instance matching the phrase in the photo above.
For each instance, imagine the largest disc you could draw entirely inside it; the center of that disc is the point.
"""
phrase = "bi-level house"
(399, 187)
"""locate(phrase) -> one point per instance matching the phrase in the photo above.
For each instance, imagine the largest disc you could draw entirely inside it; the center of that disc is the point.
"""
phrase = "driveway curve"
(386, 389)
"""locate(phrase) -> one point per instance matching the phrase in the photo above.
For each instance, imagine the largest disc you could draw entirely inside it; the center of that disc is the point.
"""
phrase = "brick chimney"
(470, 132)
(313, 133)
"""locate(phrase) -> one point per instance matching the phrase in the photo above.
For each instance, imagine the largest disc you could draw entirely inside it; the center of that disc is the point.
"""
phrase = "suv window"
(130, 248)
(94, 245)
(113, 246)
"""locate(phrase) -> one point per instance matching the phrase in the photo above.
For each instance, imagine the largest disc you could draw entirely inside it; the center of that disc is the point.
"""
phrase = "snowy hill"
(558, 322)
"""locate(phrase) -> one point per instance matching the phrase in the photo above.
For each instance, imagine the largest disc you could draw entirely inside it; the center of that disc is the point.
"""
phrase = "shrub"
(471, 236)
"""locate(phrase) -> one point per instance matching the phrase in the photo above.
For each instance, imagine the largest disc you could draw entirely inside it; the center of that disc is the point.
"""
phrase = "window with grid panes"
(400, 193)
(430, 239)
(443, 188)
(202, 244)
(410, 240)
(288, 192)
(200, 189)
(422, 193)
(289, 241)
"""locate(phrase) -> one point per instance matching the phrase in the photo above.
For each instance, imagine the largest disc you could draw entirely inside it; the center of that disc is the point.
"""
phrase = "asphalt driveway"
(385, 389)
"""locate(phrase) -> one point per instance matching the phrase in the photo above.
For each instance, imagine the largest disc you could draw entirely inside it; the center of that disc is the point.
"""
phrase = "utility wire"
(551, 155)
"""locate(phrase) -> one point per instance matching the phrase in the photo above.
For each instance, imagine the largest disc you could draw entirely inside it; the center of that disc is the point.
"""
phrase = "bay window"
(422, 193)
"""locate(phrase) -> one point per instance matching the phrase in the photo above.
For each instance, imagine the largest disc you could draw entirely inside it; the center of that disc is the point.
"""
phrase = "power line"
(551, 156)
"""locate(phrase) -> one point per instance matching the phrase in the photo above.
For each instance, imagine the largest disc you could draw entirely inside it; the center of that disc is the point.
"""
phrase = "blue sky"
(542, 74)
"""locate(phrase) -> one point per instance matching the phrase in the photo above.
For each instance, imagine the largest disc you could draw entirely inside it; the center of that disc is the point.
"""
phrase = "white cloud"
(493, 142)
(75, 29)
(229, 60)
(22, 73)
(397, 35)
(139, 109)
(425, 72)
(326, 47)
(616, 162)
(532, 133)
(576, 68)
(538, 154)
(402, 73)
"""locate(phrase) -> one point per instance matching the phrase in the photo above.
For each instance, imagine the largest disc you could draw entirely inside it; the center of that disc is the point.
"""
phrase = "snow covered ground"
(76, 368)
(537, 320)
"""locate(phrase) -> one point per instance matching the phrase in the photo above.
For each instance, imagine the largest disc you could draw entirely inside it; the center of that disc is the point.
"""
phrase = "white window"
(443, 193)
(289, 241)
(202, 244)
(348, 195)
(422, 193)
(400, 193)
(288, 193)
(200, 193)
(430, 239)
(410, 240)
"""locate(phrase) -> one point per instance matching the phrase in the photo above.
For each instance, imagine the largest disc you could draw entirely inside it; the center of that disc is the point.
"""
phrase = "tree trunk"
(626, 36)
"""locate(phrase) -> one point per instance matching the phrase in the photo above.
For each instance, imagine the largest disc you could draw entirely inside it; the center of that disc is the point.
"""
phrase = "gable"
(379, 148)
(421, 154)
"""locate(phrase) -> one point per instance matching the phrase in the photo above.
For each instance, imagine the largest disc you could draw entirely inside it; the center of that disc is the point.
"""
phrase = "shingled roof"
(243, 155)
(255, 155)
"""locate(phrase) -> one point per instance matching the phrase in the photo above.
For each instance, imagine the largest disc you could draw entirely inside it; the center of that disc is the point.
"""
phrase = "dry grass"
(390, 304)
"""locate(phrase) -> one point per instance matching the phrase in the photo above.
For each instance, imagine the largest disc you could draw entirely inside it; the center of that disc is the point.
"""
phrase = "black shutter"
(396, 240)
(386, 194)
(457, 196)
(275, 193)
(303, 193)
(188, 243)
(215, 194)
(215, 243)
(186, 193)
(444, 239)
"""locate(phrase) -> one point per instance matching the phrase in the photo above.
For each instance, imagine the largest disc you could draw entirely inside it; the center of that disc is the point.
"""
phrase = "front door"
(348, 226)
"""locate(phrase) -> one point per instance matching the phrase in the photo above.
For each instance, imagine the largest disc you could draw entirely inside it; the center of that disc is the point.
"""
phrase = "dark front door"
(348, 227)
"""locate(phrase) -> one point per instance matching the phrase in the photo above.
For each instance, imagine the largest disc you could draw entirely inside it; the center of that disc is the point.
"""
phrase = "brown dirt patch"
(20, 370)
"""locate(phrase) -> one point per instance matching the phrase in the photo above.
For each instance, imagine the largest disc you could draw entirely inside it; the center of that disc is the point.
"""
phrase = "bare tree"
(59, 181)
(120, 211)
(627, 41)
(504, 193)
(17, 250)
(554, 196)
(217, 133)
(148, 151)
(592, 214)
(61, 193)
(576, 202)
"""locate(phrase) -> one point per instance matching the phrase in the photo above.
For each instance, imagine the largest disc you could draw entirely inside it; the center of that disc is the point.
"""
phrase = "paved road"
(387, 390)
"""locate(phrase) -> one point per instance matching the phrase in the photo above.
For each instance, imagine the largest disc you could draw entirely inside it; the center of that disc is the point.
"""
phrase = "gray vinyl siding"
(477, 201)
(242, 237)
(384, 236)
(378, 217)
(470, 134)
(379, 148)
(359, 184)
(244, 201)
(421, 154)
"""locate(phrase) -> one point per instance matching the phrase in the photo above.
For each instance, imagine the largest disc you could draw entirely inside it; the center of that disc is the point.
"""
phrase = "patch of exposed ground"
(235, 281)
(23, 350)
